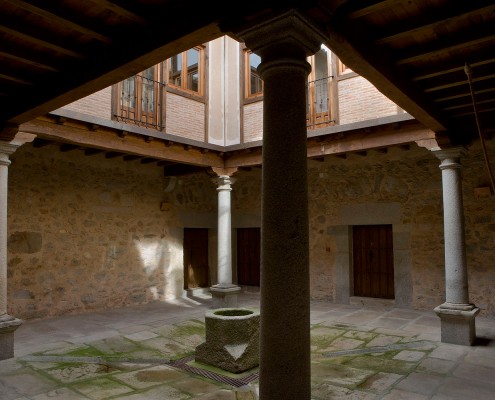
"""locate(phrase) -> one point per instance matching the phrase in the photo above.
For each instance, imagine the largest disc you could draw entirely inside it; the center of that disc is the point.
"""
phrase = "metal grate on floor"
(181, 363)
(236, 382)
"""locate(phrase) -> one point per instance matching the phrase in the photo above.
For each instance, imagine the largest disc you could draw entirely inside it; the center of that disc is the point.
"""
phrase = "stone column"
(283, 44)
(8, 324)
(457, 314)
(224, 293)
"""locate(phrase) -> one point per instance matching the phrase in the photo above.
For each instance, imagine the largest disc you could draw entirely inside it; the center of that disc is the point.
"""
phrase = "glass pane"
(148, 95)
(128, 96)
(255, 82)
(175, 70)
(193, 70)
(321, 83)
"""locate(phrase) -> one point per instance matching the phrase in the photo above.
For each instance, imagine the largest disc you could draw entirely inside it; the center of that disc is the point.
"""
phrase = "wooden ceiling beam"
(49, 13)
(107, 140)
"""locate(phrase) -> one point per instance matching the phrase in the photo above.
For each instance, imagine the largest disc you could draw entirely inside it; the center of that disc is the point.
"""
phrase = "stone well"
(232, 339)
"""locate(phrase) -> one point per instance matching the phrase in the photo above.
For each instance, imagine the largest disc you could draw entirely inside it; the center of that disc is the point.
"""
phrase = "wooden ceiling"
(416, 52)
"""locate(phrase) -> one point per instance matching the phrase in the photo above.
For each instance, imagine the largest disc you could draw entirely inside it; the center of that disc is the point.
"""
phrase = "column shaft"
(224, 233)
(8, 324)
(4, 163)
(224, 292)
(283, 44)
(285, 339)
(457, 315)
(456, 282)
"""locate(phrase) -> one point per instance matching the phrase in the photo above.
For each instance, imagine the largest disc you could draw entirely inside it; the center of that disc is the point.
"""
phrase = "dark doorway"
(195, 258)
(248, 256)
(373, 261)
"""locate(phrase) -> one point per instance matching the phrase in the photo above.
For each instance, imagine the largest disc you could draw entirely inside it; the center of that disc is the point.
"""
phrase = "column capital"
(290, 32)
(452, 153)
(223, 182)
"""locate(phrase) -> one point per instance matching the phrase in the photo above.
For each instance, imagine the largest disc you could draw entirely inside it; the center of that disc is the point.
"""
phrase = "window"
(185, 70)
(318, 106)
(342, 68)
(138, 98)
(319, 99)
(253, 81)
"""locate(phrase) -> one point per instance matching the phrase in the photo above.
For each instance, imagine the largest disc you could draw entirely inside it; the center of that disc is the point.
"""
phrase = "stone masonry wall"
(87, 233)
(412, 180)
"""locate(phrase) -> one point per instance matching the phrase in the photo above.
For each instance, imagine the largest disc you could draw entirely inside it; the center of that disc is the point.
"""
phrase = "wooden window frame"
(247, 78)
(182, 86)
(137, 115)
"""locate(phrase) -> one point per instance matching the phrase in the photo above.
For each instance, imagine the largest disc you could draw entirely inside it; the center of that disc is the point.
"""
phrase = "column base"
(8, 325)
(224, 296)
(457, 323)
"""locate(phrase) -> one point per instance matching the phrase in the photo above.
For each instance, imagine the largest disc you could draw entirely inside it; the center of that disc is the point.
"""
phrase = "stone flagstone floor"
(358, 352)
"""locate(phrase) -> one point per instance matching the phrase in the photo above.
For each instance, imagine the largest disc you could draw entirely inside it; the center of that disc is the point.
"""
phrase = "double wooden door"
(373, 261)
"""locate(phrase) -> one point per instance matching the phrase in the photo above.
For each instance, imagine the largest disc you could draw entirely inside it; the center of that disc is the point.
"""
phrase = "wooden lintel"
(131, 157)
(8, 132)
(68, 147)
(91, 151)
(148, 160)
(113, 154)
(362, 141)
(38, 143)
(107, 140)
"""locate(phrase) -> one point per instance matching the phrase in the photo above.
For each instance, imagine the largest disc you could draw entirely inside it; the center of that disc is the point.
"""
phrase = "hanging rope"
(468, 71)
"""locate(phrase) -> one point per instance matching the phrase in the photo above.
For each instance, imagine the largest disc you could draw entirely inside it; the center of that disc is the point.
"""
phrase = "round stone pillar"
(457, 314)
(224, 293)
(8, 324)
(283, 45)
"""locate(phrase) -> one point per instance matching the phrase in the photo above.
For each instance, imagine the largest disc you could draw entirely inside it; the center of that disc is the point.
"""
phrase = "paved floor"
(358, 352)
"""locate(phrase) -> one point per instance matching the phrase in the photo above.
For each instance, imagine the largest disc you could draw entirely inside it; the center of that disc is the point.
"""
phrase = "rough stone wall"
(412, 180)
(87, 233)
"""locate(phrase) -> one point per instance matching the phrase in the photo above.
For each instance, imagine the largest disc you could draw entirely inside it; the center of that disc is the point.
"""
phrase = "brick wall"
(185, 117)
(359, 100)
(253, 122)
(98, 104)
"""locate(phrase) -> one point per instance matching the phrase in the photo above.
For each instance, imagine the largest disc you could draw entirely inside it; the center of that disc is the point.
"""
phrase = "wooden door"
(248, 256)
(195, 258)
(373, 261)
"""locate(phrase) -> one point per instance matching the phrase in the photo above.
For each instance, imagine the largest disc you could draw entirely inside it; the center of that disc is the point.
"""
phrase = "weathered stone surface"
(232, 339)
